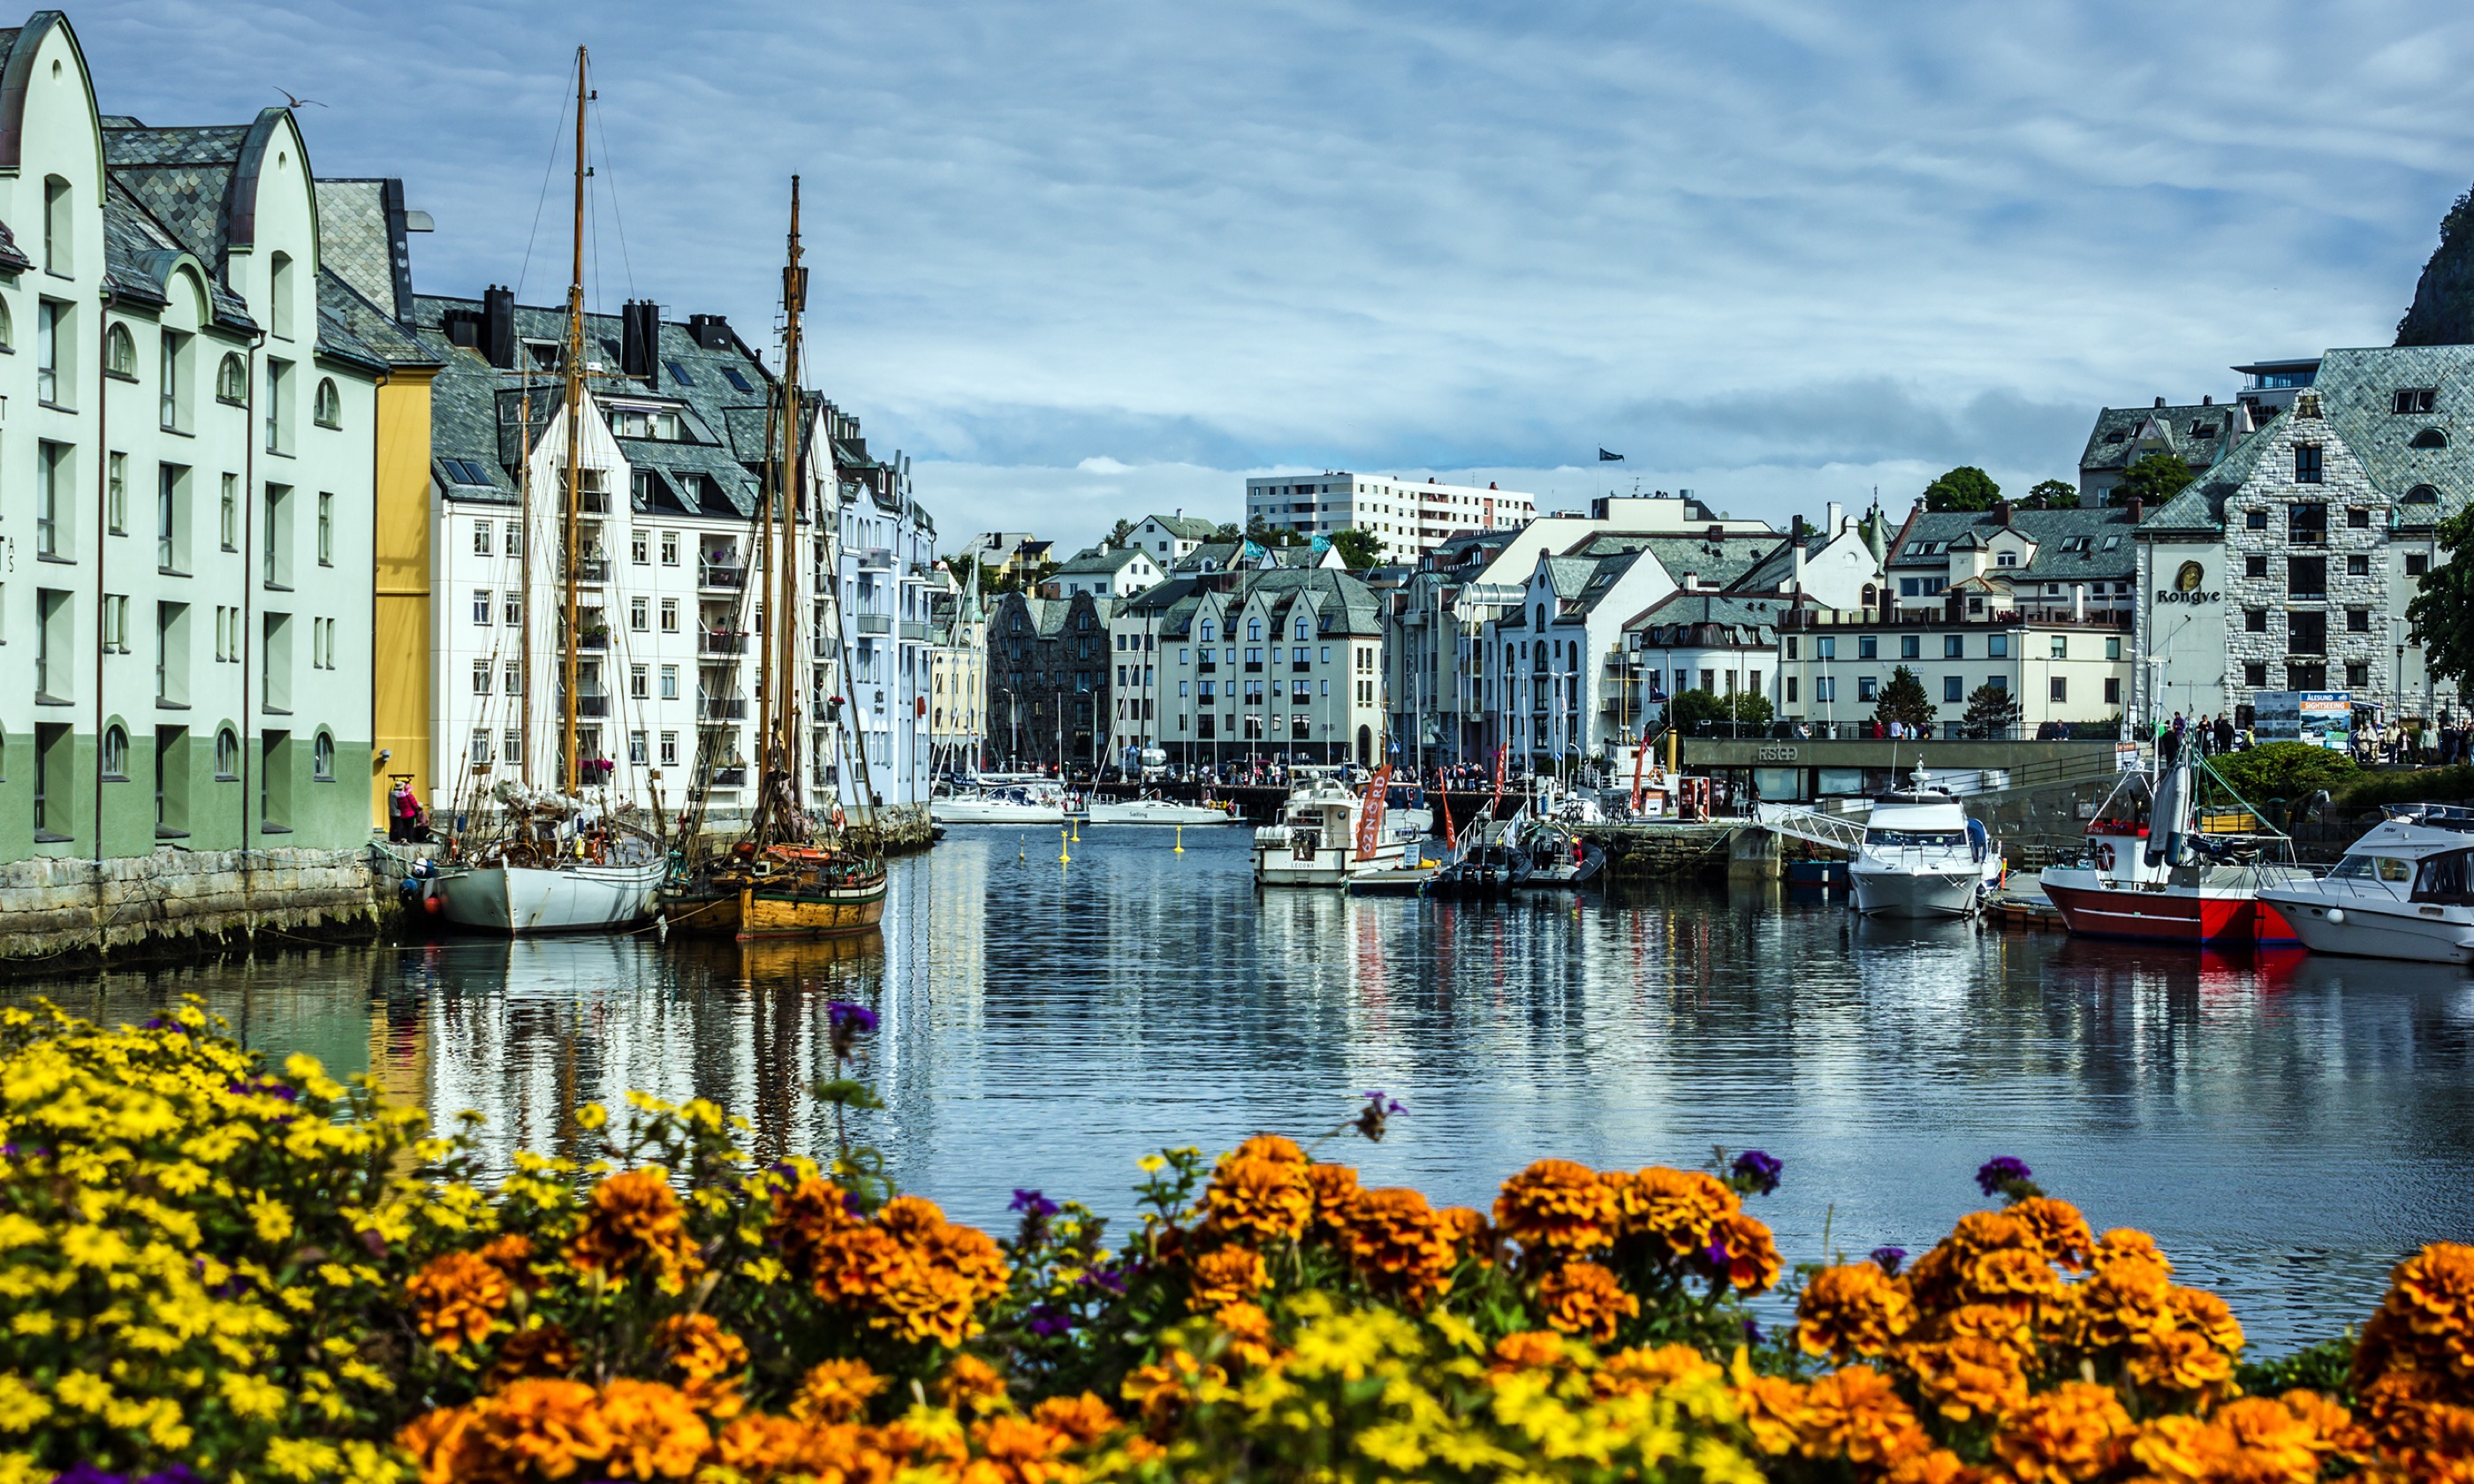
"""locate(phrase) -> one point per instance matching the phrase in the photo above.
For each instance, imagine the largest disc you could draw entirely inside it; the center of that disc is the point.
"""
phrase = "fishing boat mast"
(571, 535)
(777, 803)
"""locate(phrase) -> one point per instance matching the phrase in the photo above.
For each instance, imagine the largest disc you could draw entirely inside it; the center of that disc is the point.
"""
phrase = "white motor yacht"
(2406, 890)
(1159, 811)
(1315, 841)
(1919, 859)
(1032, 801)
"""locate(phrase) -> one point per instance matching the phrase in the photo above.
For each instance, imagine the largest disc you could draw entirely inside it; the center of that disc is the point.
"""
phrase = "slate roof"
(1186, 528)
(2059, 555)
(1342, 604)
(1102, 559)
(2201, 436)
(1688, 618)
(1721, 564)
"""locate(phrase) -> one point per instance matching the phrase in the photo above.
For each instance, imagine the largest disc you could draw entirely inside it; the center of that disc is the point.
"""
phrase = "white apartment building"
(1409, 517)
(185, 485)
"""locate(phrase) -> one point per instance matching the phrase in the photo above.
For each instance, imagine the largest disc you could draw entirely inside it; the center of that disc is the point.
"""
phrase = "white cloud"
(1102, 463)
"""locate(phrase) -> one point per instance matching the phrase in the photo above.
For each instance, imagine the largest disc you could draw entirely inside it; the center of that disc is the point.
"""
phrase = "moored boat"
(1922, 857)
(2404, 890)
(1155, 810)
(1033, 802)
(1327, 833)
(2159, 868)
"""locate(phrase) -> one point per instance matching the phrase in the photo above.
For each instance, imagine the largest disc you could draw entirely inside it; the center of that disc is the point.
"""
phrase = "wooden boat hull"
(830, 914)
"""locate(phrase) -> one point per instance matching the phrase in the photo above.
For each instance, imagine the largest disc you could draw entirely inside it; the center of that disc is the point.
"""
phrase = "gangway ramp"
(1834, 831)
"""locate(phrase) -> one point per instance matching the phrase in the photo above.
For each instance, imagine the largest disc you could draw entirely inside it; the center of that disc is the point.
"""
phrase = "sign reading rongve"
(2189, 586)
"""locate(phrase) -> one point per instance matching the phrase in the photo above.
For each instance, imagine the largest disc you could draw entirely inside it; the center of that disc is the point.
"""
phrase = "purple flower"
(178, 1474)
(1889, 1259)
(1033, 1205)
(87, 1473)
(1048, 1322)
(1999, 1172)
(1378, 1098)
(1108, 1281)
(1757, 1171)
(858, 1017)
(1716, 1253)
(1752, 1332)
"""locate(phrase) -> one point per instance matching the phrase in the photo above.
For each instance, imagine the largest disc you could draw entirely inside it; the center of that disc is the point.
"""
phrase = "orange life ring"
(838, 816)
(2105, 857)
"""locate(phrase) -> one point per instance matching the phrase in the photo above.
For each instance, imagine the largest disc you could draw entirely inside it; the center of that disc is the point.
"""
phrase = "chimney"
(2137, 507)
(499, 326)
(2207, 400)
(2160, 401)
(712, 331)
(2002, 512)
(1835, 522)
(640, 332)
(1795, 555)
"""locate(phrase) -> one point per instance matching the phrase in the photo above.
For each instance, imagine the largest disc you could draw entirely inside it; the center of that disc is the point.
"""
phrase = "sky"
(1084, 261)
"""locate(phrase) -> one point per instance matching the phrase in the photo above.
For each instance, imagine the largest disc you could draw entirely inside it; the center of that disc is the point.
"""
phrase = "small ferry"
(2160, 867)
(1922, 857)
(2405, 891)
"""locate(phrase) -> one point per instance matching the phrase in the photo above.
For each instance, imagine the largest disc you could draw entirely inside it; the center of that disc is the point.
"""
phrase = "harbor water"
(2286, 1126)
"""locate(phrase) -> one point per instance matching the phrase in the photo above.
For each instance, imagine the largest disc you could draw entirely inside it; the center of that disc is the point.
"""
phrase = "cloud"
(1748, 239)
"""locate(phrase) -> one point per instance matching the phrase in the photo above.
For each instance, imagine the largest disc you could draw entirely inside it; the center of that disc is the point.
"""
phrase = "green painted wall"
(327, 814)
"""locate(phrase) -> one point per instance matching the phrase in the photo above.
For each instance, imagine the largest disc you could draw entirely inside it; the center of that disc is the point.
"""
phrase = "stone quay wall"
(58, 913)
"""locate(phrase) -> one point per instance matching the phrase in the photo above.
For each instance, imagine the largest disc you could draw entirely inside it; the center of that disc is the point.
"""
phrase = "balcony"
(593, 706)
(594, 638)
(914, 629)
(876, 559)
(1253, 667)
(731, 776)
(720, 574)
(591, 569)
(1301, 667)
(1208, 667)
(721, 709)
(712, 641)
(873, 623)
(594, 502)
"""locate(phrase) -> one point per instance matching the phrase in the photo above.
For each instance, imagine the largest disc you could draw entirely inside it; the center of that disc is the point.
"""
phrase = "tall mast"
(572, 534)
(786, 609)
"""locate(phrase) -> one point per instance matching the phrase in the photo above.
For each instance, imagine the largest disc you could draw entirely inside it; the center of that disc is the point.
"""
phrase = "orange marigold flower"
(511, 1254)
(1471, 1231)
(2125, 1302)
(756, 1446)
(2061, 1233)
(1226, 1275)
(910, 1218)
(543, 1350)
(803, 1217)
(1640, 1372)
(455, 1299)
(1773, 1410)
(857, 1263)
(972, 1387)
(1271, 1148)
(697, 1346)
(634, 1220)
(1334, 1187)
(1987, 1321)
(544, 1428)
(436, 1442)
(2074, 1434)
(919, 1303)
(2179, 1363)
(655, 1431)
(2331, 1424)
(1855, 1413)
(1931, 1465)
(837, 1391)
(1258, 1199)
(2130, 1247)
(1968, 1376)
(1393, 1238)
(1583, 1298)
(2427, 1314)
(1678, 1207)
(1558, 1206)
(1161, 1390)
(1015, 1450)
(1249, 1329)
(2206, 1315)
(1529, 1349)
(970, 1254)
(1850, 1311)
(1085, 1419)
(1741, 1248)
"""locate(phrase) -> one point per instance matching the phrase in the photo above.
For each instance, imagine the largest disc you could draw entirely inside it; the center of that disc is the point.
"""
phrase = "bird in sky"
(291, 102)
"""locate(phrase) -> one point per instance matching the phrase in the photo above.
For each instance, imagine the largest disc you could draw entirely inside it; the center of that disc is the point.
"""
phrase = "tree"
(2054, 494)
(1262, 535)
(1120, 534)
(1358, 548)
(1964, 488)
(1903, 700)
(2284, 770)
(1228, 534)
(1991, 711)
(2442, 612)
(1691, 707)
(2153, 477)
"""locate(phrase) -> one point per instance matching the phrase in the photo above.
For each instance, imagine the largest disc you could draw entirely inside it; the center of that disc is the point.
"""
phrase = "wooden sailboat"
(563, 863)
(785, 877)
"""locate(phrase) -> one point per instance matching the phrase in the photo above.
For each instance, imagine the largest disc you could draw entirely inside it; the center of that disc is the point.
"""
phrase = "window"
(2305, 464)
(1999, 682)
(513, 680)
(1826, 646)
(232, 379)
(51, 335)
(480, 755)
(2416, 564)
(2357, 676)
(327, 407)
(2410, 401)
(2254, 674)
(2254, 567)
(1997, 646)
(512, 609)
(669, 616)
(120, 353)
(278, 412)
(670, 749)
(2358, 564)
(1791, 689)
(228, 522)
(2113, 649)
(325, 529)
(2358, 620)
(322, 758)
(2254, 620)
(1791, 646)
(481, 677)
(2061, 646)
(227, 756)
(2428, 438)
(511, 746)
(639, 684)
(482, 607)
(115, 752)
(8, 328)
(2422, 494)
(636, 748)
(2061, 690)
(669, 683)
(670, 548)
(2255, 520)
(59, 229)
(1206, 630)
(170, 518)
(115, 494)
(2306, 577)
(115, 623)
(2306, 632)
(280, 295)
(512, 539)
(172, 396)
(1868, 646)
(2358, 517)
(2113, 691)
(1825, 688)
(1867, 688)
(481, 529)
(2006, 559)
(1953, 646)
(1911, 646)
(640, 547)
(1952, 688)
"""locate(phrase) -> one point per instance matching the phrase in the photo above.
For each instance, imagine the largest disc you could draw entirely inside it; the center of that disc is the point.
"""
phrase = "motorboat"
(565, 866)
(2159, 866)
(1030, 801)
(1154, 810)
(1560, 859)
(1325, 833)
(2405, 891)
(1920, 856)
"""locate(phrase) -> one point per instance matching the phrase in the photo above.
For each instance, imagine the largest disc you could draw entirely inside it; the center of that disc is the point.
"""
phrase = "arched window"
(278, 295)
(226, 755)
(1254, 628)
(322, 758)
(329, 409)
(232, 379)
(1301, 628)
(120, 352)
(116, 751)
(1868, 594)
(7, 327)
(2422, 494)
(2429, 438)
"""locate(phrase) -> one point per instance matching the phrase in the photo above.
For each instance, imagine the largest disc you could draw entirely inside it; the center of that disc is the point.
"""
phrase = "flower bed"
(213, 1270)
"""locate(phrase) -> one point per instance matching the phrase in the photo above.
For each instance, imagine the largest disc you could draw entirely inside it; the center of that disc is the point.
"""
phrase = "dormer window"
(2411, 401)
(2116, 436)
(543, 354)
(2428, 438)
(658, 423)
(2006, 559)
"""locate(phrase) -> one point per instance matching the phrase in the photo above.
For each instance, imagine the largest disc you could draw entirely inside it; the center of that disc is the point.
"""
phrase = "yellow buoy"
(1180, 839)
(1063, 855)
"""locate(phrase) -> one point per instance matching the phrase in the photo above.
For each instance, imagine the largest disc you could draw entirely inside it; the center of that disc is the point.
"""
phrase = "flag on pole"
(1604, 457)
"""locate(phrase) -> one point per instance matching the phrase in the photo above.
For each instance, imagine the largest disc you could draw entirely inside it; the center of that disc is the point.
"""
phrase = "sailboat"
(561, 861)
(785, 877)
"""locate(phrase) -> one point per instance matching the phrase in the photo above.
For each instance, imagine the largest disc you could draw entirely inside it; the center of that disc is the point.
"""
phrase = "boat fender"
(2337, 915)
(838, 816)
(2105, 857)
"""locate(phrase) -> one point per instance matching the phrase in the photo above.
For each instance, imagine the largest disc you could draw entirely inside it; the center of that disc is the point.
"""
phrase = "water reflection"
(2285, 1125)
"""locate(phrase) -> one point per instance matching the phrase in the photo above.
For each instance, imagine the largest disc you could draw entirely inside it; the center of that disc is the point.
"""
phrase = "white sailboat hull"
(1155, 811)
(524, 900)
(987, 811)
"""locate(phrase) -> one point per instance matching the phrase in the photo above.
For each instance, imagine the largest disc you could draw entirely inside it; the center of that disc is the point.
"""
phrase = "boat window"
(2353, 868)
(1948, 839)
(2443, 879)
(2392, 869)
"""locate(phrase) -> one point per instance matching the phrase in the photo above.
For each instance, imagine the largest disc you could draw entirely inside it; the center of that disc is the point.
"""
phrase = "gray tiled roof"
(1186, 528)
(1101, 559)
(352, 242)
(1928, 540)
(1750, 622)
(1342, 604)
(2198, 435)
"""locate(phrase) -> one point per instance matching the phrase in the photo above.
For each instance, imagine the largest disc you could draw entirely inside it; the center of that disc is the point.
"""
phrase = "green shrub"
(2371, 790)
(2285, 770)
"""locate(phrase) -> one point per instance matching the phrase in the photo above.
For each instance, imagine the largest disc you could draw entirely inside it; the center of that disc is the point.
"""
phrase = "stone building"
(185, 486)
(2289, 565)
(1048, 670)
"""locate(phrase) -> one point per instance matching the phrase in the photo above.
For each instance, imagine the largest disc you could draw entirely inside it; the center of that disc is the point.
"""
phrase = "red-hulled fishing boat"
(2161, 864)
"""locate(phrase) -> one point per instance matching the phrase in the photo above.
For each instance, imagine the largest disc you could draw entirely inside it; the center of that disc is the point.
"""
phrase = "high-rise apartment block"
(1409, 518)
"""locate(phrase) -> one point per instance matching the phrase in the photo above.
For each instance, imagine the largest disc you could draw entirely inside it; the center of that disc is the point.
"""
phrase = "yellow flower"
(250, 1396)
(95, 1247)
(82, 1390)
(272, 1218)
(591, 1116)
(21, 1406)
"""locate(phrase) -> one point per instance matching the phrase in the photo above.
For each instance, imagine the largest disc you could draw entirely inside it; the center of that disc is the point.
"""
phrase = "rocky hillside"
(2443, 300)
